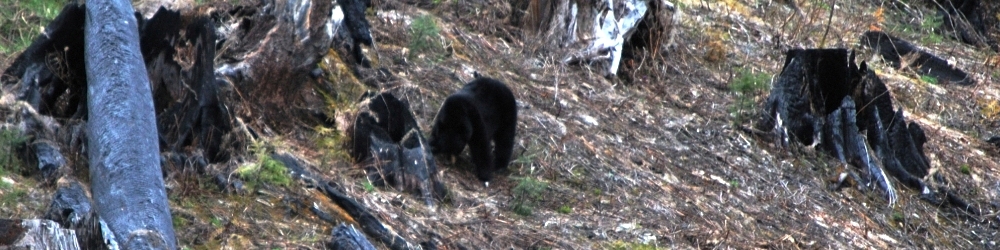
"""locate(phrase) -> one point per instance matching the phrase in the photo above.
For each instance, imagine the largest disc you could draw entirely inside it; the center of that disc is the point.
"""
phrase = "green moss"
(266, 170)
(898, 217)
(928, 79)
(12, 195)
(929, 26)
(367, 185)
(180, 222)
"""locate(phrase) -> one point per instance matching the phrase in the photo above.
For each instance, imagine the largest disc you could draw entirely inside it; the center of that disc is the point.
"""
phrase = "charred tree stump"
(126, 179)
(386, 140)
(823, 98)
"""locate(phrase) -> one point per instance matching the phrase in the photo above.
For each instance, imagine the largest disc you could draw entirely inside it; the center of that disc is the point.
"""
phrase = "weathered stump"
(823, 98)
(386, 140)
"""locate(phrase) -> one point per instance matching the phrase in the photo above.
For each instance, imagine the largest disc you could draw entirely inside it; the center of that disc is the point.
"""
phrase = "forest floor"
(654, 158)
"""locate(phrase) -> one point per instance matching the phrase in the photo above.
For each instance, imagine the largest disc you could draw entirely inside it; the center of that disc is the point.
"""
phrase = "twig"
(822, 42)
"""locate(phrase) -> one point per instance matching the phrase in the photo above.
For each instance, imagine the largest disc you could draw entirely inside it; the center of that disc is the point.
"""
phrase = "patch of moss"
(565, 209)
(266, 170)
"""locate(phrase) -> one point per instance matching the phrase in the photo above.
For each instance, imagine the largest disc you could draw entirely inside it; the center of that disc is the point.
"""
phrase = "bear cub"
(482, 115)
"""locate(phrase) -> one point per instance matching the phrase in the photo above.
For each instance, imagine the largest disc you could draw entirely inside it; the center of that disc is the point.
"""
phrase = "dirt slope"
(659, 161)
(653, 159)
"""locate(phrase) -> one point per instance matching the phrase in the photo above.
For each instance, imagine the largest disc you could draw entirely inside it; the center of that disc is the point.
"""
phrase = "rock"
(226, 184)
(70, 206)
(50, 159)
(348, 238)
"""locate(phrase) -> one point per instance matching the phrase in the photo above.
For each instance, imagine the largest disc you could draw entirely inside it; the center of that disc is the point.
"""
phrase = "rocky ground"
(656, 157)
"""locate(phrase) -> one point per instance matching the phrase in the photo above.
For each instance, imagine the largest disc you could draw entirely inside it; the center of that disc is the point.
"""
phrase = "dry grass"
(654, 161)
(663, 164)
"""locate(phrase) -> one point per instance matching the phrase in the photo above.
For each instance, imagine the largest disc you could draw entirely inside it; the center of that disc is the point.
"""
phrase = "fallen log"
(895, 50)
(347, 238)
(126, 179)
(368, 222)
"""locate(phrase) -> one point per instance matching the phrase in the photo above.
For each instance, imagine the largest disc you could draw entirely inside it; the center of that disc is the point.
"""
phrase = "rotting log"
(123, 148)
(368, 222)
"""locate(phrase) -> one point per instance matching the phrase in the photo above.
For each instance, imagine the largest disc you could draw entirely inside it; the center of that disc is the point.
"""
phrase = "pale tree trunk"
(592, 30)
(123, 148)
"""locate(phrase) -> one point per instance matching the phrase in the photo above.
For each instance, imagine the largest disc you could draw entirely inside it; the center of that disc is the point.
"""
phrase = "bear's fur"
(482, 115)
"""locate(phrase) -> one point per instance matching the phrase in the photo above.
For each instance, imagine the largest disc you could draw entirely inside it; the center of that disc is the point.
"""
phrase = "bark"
(593, 30)
(823, 98)
(126, 179)
(36, 234)
(346, 237)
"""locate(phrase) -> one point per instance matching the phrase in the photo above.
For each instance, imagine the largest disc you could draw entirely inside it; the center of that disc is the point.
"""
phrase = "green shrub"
(565, 209)
(10, 140)
(526, 194)
(747, 87)
(424, 34)
(929, 26)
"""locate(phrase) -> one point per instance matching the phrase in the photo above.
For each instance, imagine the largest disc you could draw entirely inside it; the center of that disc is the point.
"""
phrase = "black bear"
(482, 115)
